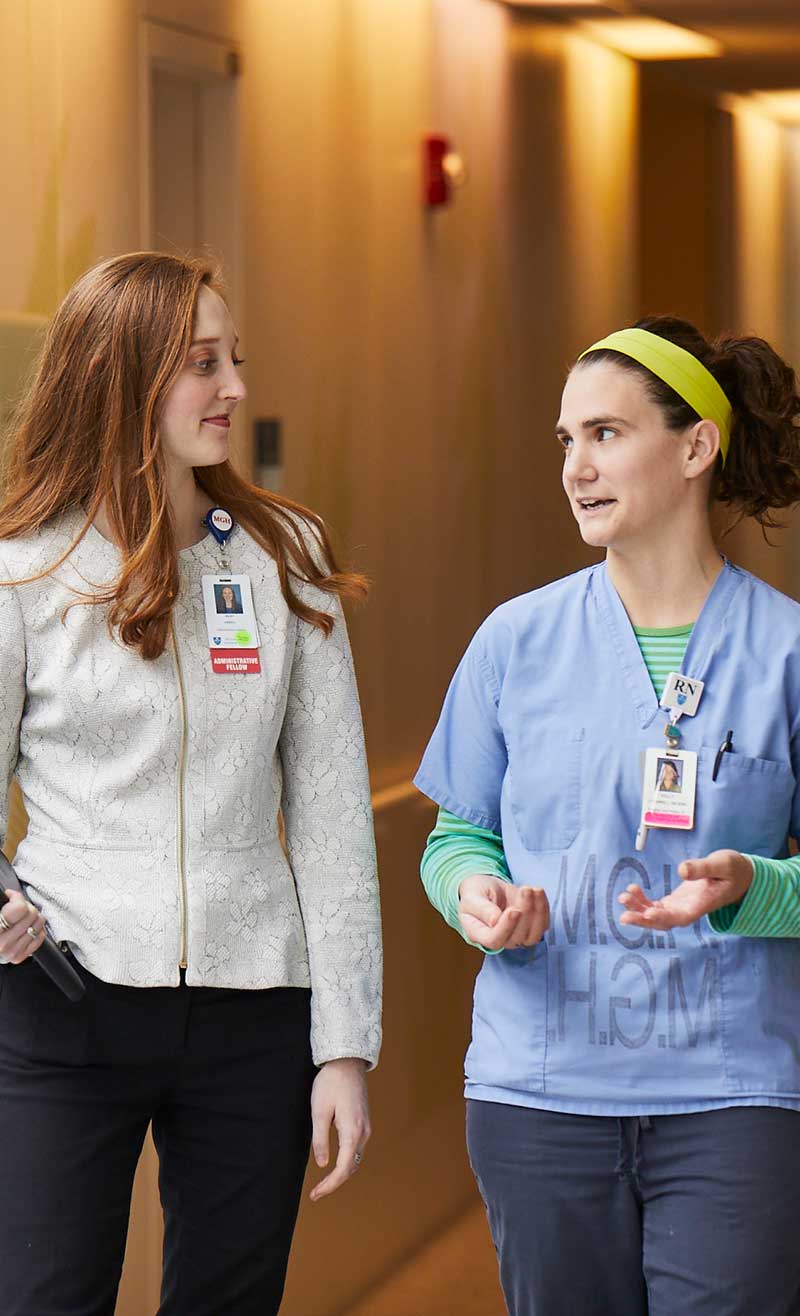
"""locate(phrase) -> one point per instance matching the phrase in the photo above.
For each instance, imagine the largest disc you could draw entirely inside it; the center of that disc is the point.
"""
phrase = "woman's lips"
(222, 421)
(599, 505)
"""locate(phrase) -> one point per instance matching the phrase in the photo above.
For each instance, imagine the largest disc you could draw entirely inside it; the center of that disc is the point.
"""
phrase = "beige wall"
(765, 183)
(760, 195)
(68, 86)
(416, 362)
(567, 274)
(791, 256)
(680, 215)
(720, 208)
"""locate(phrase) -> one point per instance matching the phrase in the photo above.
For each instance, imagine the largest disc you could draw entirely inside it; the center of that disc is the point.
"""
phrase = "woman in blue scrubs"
(633, 1078)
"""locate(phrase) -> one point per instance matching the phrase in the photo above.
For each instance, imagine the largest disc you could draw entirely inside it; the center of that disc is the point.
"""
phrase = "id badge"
(669, 788)
(231, 624)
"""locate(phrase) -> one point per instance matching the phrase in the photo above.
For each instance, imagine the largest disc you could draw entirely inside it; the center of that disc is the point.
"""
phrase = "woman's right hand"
(500, 916)
(16, 942)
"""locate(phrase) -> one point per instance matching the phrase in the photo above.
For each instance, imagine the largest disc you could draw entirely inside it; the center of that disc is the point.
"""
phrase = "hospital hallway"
(424, 211)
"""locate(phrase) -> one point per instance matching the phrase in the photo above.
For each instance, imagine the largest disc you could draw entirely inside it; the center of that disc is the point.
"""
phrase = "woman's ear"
(702, 448)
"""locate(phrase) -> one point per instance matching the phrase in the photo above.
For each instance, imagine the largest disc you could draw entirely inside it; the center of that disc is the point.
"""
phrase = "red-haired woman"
(232, 985)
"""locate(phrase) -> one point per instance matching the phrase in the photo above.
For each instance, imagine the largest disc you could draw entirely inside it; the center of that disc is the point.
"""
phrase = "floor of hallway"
(456, 1272)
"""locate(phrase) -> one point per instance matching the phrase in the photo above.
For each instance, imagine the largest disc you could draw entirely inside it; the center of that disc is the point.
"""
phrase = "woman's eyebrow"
(593, 423)
(596, 421)
(197, 342)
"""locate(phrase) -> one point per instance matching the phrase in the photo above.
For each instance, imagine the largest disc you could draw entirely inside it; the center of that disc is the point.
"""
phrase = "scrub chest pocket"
(748, 808)
(545, 768)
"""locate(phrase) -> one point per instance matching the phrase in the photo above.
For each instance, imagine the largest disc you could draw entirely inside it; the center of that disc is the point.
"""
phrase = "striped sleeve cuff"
(771, 907)
(455, 850)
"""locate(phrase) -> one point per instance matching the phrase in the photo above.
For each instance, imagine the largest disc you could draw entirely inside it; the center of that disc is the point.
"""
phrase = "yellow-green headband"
(678, 368)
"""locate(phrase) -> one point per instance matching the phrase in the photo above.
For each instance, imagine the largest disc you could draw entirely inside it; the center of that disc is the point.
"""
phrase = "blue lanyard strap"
(220, 524)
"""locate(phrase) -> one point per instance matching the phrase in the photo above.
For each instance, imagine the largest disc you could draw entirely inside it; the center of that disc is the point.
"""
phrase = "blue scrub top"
(541, 738)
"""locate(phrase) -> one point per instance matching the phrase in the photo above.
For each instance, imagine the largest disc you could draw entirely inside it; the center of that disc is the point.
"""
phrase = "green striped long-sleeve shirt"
(456, 848)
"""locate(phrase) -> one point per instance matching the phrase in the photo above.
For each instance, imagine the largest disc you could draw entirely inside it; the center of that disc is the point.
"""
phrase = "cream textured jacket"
(153, 789)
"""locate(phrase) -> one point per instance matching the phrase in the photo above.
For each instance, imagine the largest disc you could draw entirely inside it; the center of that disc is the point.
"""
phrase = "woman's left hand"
(339, 1097)
(722, 878)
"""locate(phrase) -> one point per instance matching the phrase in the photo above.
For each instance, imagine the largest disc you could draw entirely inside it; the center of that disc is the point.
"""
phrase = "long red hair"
(87, 431)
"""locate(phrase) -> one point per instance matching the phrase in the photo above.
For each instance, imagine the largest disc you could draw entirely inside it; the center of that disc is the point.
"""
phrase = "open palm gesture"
(721, 878)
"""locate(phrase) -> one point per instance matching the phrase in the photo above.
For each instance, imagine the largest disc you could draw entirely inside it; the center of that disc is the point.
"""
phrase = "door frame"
(201, 58)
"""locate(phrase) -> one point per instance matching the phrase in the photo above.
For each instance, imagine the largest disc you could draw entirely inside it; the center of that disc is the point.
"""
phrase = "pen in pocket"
(725, 748)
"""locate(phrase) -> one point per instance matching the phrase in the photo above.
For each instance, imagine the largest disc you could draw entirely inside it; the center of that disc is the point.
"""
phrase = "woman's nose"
(233, 386)
(578, 464)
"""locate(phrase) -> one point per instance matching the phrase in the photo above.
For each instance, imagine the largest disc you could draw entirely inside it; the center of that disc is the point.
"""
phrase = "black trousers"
(663, 1215)
(225, 1078)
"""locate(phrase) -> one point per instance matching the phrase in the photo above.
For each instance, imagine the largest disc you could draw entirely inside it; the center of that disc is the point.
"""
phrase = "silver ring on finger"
(32, 933)
(4, 923)
(357, 1157)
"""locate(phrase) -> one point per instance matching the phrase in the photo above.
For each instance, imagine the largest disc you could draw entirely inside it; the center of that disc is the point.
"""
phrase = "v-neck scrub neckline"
(707, 635)
(663, 632)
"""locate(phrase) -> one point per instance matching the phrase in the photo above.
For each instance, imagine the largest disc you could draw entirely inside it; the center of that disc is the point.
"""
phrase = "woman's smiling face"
(623, 468)
(195, 420)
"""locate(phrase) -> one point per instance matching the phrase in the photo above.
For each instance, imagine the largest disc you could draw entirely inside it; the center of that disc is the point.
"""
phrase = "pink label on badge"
(668, 819)
(235, 660)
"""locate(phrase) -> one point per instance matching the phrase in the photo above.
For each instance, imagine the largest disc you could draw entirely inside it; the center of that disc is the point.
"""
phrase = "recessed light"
(572, 8)
(651, 38)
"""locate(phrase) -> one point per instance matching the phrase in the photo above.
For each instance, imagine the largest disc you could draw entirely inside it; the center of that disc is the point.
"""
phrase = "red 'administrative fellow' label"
(235, 660)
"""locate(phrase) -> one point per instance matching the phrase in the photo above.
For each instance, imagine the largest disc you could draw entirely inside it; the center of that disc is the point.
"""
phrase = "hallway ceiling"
(761, 38)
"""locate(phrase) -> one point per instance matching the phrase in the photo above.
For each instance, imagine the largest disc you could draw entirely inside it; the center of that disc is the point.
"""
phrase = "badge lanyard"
(228, 606)
(669, 785)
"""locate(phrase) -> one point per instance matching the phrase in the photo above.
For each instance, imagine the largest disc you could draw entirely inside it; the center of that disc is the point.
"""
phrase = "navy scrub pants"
(225, 1078)
(663, 1215)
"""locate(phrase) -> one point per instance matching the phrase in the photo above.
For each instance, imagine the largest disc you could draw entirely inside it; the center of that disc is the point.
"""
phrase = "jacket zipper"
(181, 783)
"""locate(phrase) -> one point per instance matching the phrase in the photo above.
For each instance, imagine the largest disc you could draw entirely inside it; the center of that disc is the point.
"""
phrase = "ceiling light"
(650, 38)
(574, 8)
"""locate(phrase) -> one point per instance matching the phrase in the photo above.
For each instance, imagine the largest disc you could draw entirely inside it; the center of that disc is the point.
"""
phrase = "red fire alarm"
(442, 170)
